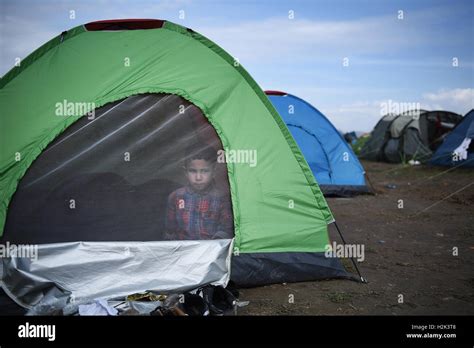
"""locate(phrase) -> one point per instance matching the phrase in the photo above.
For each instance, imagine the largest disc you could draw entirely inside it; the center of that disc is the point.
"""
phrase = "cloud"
(279, 38)
(355, 116)
(362, 115)
(312, 40)
(301, 56)
(366, 41)
(459, 100)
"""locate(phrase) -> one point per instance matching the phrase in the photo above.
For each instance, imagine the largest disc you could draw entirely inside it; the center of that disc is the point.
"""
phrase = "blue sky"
(407, 60)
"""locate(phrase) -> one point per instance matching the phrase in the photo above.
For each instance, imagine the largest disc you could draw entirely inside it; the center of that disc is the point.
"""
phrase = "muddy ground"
(408, 251)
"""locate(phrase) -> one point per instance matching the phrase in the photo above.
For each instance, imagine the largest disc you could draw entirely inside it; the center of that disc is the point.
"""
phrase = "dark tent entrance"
(111, 199)
(107, 178)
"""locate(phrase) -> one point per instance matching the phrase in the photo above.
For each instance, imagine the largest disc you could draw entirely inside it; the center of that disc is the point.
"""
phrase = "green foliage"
(359, 144)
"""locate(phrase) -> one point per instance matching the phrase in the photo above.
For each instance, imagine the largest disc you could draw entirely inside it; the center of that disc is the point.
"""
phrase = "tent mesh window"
(140, 169)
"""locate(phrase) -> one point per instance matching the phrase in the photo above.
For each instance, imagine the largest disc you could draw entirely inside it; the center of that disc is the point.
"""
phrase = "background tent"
(458, 147)
(351, 137)
(410, 135)
(96, 124)
(331, 159)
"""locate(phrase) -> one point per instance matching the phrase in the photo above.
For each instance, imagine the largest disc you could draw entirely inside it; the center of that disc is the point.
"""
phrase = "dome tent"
(97, 122)
(410, 135)
(332, 161)
(458, 141)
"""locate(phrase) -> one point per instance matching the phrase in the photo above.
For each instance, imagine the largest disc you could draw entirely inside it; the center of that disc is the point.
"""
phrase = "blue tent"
(444, 155)
(334, 164)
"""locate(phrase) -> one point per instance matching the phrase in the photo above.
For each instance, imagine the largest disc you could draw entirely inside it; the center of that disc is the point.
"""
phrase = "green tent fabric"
(277, 204)
(28, 101)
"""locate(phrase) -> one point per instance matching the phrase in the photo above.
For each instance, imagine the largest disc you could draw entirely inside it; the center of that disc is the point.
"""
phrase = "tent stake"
(362, 279)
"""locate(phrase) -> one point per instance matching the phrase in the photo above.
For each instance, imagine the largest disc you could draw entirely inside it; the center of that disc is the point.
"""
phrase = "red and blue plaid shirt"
(198, 215)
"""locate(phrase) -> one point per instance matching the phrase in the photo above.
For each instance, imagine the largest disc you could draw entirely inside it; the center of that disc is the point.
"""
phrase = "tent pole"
(362, 279)
(370, 183)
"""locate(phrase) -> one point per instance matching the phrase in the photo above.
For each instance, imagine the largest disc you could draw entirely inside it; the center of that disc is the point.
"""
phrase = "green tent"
(74, 110)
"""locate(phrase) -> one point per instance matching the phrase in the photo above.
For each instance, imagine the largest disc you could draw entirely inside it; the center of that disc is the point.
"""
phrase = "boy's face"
(199, 174)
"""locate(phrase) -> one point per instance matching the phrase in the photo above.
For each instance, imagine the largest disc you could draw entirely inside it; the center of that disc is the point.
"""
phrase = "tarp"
(115, 269)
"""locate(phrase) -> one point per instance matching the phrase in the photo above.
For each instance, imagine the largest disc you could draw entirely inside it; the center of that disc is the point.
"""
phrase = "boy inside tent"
(198, 210)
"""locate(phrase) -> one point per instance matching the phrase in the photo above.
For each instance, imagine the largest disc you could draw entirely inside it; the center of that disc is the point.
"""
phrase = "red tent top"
(124, 24)
(275, 93)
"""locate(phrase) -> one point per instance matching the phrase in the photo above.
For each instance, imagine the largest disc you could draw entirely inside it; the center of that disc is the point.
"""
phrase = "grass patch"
(339, 297)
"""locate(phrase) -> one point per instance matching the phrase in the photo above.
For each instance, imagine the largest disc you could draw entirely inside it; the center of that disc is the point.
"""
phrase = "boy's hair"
(200, 152)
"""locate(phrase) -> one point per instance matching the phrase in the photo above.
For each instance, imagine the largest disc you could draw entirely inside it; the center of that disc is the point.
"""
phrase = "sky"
(348, 58)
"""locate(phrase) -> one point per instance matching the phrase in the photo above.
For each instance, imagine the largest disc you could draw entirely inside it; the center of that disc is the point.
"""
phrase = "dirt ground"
(408, 250)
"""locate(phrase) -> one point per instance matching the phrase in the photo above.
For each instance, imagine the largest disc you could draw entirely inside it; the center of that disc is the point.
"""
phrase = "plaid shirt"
(198, 215)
